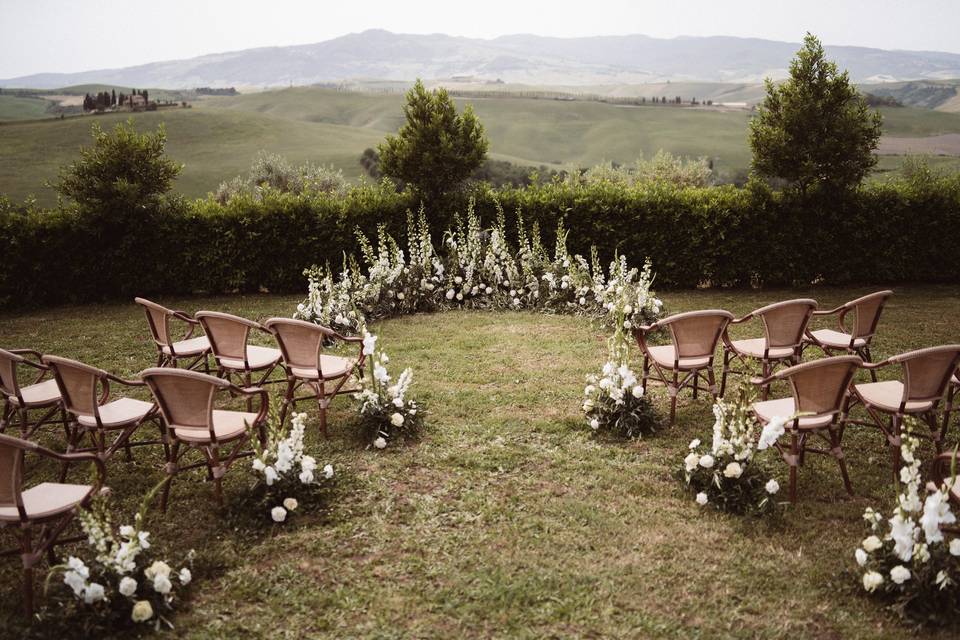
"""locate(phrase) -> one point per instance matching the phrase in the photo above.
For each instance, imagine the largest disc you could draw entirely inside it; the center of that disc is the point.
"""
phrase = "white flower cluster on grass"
(384, 405)
(908, 551)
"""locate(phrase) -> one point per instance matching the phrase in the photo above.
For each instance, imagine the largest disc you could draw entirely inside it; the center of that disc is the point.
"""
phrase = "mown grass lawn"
(508, 519)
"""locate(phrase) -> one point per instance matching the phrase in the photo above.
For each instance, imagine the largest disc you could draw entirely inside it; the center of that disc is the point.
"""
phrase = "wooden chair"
(821, 397)
(169, 351)
(190, 421)
(694, 337)
(86, 397)
(925, 375)
(784, 326)
(39, 395)
(866, 314)
(302, 345)
(38, 516)
(228, 335)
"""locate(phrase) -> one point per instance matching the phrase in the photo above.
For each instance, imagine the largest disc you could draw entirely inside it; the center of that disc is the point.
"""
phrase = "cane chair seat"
(227, 425)
(257, 358)
(331, 367)
(47, 500)
(118, 413)
(754, 347)
(37, 395)
(664, 356)
(188, 348)
(887, 396)
(785, 407)
(838, 339)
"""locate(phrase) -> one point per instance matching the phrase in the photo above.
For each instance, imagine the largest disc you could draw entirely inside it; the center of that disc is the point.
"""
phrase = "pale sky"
(79, 35)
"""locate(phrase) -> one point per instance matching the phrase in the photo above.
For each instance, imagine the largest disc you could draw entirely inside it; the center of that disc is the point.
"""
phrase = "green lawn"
(509, 519)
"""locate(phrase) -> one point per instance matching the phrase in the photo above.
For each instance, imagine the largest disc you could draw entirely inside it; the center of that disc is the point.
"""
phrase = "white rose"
(872, 580)
(872, 543)
(396, 420)
(587, 405)
(380, 443)
(290, 504)
(702, 498)
(955, 547)
(594, 424)
(162, 584)
(75, 581)
(627, 310)
(694, 443)
(583, 301)
(772, 486)
(899, 574)
(328, 471)
(733, 470)
(306, 476)
(185, 576)
(128, 586)
(706, 461)
(861, 556)
(458, 279)
(279, 514)
(459, 296)
(488, 290)
(398, 403)
(142, 611)
(691, 461)
(158, 568)
(450, 294)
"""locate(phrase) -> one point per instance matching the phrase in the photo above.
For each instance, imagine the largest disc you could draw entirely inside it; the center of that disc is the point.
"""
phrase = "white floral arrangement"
(386, 411)
(286, 475)
(120, 585)
(478, 269)
(726, 474)
(907, 559)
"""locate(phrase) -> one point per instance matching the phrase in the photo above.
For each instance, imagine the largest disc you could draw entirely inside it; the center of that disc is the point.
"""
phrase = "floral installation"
(907, 560)
(120, 584)
(477, 269)
(727, 474)
(615, 403)
(386, 411)
(286, 477)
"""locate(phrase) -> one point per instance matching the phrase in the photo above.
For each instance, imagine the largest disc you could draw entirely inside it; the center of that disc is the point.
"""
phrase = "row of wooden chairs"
(822, 390)
(188, 408)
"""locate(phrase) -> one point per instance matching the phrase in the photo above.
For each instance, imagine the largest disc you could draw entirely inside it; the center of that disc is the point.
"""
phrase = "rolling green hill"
(220, 136)
(17, 108)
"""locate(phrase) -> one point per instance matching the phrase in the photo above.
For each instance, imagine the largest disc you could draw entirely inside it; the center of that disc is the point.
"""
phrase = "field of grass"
(220, 136)
(16, 108)
(508, 519)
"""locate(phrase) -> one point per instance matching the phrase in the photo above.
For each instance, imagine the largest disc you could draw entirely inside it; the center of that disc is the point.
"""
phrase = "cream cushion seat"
(46, 500)
(227, 425)
(784, 408)
(664, 356)
(119, 413)
(331, 366)
(257, 357)
(40, 394)
(838, 339)
(887, 396)
(191, 347)
(754, 347)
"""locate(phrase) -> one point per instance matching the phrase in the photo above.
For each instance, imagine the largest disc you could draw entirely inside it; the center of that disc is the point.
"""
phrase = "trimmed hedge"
(718, 236)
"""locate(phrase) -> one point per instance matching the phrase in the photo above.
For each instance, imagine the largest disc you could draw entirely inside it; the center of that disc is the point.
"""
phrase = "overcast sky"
(78, 35)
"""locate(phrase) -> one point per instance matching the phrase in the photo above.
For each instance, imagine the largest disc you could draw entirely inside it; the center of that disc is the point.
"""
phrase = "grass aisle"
(508, 519)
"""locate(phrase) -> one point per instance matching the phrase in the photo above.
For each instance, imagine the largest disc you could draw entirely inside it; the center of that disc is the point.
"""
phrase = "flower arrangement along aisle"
(907, 560)
(386, 412)
(287, 480)
(615, 403)
(478, 269)
(120, 585)
(727, 474)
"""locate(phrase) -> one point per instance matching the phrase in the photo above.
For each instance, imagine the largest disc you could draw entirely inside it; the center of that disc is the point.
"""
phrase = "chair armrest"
(255, 391)
(760, 381)
(829, 312)
(347, 338)
(27, 352)
(648, 328)
(78, 457)
(184, 316)
(745, 318)
(127, 383)
(877, 365)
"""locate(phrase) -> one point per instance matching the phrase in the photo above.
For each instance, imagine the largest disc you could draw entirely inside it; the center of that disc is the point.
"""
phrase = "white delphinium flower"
(702, 498)
(185, 576)
(936, 512)
(279, 514)
(270, 475)
(902, 531)
(772, 432)
(594, 424)
(899, 574)
(328, 471)
(258, 464)
(694, 443)
(75, 581)
(772, 486)
(369, 343)
(93, 593)
(861, 556)
(872, 580)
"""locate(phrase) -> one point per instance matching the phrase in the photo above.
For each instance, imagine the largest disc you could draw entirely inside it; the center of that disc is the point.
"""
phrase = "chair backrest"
(695, 333)
(866, 313)
(185, 397)
(820, 387)
(301, 342)
(79, 384)
(784, 323)
(227, 333)
(9, 385)
(11, 470)
(926, 372)
(158, 317)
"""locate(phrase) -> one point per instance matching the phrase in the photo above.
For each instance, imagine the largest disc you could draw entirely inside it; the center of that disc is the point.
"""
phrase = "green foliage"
(663, 168)
(437, 148)
(123, 172)
(815, 128)
(271, 171)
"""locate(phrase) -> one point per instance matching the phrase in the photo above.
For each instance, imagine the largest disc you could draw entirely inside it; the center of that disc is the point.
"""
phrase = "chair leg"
(3, 416)
(712, 381)
(26, 554)
(246, 381)
(646, 371)
(696, 383)
(947, 410)
(171, 471)
(288, 399)
(726, 370)
(213, 463)
(323, 403)
(792, 461)
(838, 454)
(869, 358)
(765, 390)
(895, 448)
(673, 391)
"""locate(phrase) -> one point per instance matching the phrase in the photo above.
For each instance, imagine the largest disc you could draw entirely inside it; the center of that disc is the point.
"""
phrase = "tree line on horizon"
(107, 99)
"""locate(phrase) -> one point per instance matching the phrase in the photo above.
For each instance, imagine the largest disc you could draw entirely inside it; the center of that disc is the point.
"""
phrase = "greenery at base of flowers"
(286, 480)
(907, 561)
(386, 413)
(477, 269)
(119, 587)
(727, 474)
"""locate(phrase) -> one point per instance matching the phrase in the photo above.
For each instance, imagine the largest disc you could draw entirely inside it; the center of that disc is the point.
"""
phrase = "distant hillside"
(941, 95)
(601, 60)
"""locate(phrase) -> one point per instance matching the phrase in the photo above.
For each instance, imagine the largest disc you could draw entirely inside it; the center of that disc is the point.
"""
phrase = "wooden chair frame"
(163, 340)
(855, 307)
(15, 406)
(692, 375)
(38, 536)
